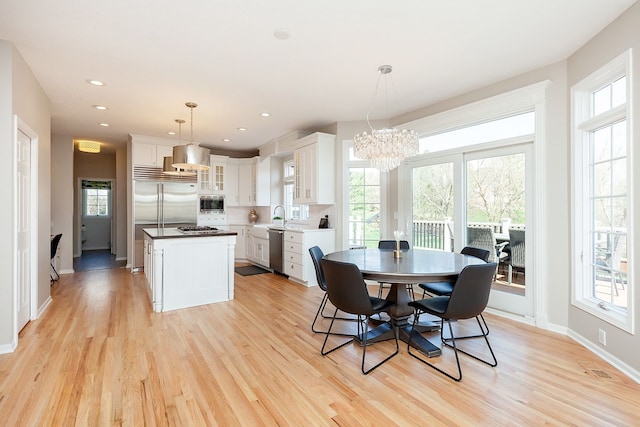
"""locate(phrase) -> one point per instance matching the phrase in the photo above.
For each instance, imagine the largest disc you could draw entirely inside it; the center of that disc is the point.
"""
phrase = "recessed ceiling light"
(242, 129)
(104, 124)
(171, 132)
(265, 114)
(281, 34)
(95, 82)
(226, 140)
(100, 107)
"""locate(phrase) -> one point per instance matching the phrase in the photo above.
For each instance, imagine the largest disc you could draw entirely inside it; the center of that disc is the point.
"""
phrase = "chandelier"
(167, 164)
(385, 148)
(191, 156)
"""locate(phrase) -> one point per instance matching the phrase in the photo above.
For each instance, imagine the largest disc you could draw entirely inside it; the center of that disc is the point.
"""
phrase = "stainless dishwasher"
(276, 239)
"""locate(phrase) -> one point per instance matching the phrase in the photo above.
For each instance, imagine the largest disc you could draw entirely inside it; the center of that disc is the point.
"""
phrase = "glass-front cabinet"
(212, 181)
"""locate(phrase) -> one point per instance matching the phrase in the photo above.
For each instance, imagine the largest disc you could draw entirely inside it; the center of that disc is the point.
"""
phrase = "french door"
(481, 198)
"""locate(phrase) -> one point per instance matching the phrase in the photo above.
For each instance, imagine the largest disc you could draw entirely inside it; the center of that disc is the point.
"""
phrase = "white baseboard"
(124, 258)
(67, 271)
(8, 348)
(563, 330)
(44, 306)
(606, 356)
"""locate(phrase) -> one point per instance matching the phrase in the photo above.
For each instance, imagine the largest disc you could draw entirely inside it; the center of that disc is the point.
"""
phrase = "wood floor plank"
(99, 356)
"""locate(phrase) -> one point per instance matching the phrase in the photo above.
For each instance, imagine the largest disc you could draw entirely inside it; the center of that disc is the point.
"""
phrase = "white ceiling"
(155, 55)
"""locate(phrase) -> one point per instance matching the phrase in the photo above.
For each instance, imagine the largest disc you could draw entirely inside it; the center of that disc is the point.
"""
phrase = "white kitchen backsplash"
(319, 211)
(239, 215)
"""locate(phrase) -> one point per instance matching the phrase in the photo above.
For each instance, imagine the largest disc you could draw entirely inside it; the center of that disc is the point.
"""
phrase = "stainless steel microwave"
(211, 204)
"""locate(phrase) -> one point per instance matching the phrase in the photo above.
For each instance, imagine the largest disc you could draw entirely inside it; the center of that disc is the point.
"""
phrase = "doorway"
(96, 231)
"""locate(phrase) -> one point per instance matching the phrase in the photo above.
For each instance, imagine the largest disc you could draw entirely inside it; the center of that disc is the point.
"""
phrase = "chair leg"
(326, 338)
(492, 363)
(452, 344)
(415, 355)
(57, 276)
(510, 273)
(319, 313)
(364, 348)
(364, 343)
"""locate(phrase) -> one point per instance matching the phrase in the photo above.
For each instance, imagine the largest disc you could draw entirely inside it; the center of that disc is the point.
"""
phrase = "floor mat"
(250, 270)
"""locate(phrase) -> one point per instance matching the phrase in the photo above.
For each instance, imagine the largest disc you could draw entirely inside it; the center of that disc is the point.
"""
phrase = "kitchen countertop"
(173, 233)
(296, 228)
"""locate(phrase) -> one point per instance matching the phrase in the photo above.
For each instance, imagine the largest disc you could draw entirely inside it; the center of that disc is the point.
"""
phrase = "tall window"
(97, 198)
(364, 204)
(294, 212)
(602, 188)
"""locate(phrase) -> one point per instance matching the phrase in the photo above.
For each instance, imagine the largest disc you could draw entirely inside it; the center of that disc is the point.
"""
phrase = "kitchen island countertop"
(171, 233)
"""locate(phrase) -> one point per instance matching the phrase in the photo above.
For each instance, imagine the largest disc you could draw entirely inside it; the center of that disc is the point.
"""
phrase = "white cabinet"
(248, 182)
(258, 246)
(314, 169)
(262, 181)
(231, 183)
(189, 271)
(213, 181)
(241, 241)
(145, 154)
(296, 261)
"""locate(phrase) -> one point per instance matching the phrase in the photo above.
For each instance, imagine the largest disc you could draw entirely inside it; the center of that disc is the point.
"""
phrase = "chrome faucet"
(284, 217)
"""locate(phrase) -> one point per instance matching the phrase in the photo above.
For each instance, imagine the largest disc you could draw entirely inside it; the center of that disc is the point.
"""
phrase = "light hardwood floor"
(99, 356)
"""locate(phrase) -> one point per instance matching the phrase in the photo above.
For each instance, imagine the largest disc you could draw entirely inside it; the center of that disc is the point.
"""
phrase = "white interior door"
(23, 255)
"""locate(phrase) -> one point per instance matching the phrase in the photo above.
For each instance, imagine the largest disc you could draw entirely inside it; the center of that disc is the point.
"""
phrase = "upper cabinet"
(248, 182)
(145, 154)
(314, 169)
(213, 181)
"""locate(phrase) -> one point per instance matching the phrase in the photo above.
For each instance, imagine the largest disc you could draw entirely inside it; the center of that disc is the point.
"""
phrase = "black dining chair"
(316, 255)
(347, 291)
(445, 288)
(391, 244)
(54, 248)
(468, 300)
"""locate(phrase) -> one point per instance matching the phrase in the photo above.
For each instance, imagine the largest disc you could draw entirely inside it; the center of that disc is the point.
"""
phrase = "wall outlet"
(602, 337)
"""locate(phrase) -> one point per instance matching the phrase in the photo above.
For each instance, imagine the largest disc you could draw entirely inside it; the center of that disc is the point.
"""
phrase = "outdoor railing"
(439, 234)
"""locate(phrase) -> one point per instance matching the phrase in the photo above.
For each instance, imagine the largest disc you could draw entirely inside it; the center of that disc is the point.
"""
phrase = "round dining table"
(412, 267)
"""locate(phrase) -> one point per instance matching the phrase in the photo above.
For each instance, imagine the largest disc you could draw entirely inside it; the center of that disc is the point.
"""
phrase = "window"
(602, 187)
(364, 203)
(493, 130)
(294, 212)
(97, 195)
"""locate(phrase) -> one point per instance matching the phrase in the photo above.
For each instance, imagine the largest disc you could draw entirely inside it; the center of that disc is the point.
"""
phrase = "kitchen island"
(186, 269)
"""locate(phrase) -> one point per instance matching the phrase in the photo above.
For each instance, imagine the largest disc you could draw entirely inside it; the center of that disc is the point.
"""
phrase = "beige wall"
(622, 34)
(20, 94)
(62, 198)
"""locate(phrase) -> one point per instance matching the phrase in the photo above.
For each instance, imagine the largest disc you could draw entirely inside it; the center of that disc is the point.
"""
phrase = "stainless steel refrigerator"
(161, 205)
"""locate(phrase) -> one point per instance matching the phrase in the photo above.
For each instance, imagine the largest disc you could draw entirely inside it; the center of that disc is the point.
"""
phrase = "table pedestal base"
(384, 332)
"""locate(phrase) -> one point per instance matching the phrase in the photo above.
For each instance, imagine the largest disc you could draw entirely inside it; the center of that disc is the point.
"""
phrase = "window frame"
(359, 163)
(289, 180)
(584, 123)
(85, 198)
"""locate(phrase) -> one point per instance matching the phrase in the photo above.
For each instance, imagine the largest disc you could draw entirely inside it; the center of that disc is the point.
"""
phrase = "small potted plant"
(278, 220)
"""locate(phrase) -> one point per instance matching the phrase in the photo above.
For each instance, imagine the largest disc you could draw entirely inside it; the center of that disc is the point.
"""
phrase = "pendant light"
(167, 164)
(191, 156)
(385, 148)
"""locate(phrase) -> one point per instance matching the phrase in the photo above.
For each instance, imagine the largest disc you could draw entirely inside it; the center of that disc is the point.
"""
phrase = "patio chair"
(516, 259)
(485, 238)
